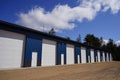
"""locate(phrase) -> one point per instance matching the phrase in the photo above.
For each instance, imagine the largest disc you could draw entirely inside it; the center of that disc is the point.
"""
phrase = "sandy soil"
(95, 71)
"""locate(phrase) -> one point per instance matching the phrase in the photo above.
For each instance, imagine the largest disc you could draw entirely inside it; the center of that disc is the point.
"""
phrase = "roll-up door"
(70, 54)
(83, 54)
(103, 56)
(92, 56)
(11, 49)
(98, 53)
(48, 52)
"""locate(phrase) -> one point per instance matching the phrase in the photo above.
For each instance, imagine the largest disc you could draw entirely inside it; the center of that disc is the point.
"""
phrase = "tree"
(78, 38)
(110, 45)
(118, 52)
(52, 31)
(68, 38)
(101, 41)
(91, 40)
(113, 49)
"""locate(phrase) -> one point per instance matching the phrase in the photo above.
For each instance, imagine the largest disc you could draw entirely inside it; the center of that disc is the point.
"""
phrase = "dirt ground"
(95, 71)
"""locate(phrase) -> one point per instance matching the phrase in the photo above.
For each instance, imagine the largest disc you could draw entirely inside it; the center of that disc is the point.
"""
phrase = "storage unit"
(48, 52)
(70, 54)
(103, 56)
(24, 47)
(95, 56)
(11, 49)
(107, 57)
(98, 53)
(83, 55)
(92, 56)
(110, 57)
(77, 56)
(88, 55)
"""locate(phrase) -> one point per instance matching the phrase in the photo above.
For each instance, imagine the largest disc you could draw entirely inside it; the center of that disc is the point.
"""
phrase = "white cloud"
(63, 16)
(105, 41)
(117, 43)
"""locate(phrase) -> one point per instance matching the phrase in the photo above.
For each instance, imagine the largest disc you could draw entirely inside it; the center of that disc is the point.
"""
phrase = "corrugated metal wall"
(77, 56)
(88, 55)
(61, 50)
(33, 44)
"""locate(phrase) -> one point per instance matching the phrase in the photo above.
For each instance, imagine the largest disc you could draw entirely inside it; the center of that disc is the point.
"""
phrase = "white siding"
(83, 55)
(98, 53)
(11, 49)
(92, 56)
(34, 59)
(48, 52)
(70, 54)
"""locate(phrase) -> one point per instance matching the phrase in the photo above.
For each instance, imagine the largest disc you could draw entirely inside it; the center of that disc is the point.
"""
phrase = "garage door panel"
(103, 56)
(70, 54)
(48, 52)
(98, 56)
(92, 56)
(11, 50)
(83, 54)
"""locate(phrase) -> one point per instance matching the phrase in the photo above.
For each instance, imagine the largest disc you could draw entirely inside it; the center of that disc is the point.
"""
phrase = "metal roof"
(15, 26)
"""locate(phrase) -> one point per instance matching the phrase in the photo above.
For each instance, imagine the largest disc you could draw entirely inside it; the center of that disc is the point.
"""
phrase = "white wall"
(70, 54)
(92, 56)
(83, 55)
(48, 52)
(11, 49)
(98, 53)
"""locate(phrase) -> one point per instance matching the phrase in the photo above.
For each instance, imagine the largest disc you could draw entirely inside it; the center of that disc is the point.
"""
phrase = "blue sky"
(74, 17)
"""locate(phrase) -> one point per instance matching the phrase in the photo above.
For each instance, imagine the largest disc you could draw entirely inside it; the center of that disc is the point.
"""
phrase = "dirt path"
(96, 71)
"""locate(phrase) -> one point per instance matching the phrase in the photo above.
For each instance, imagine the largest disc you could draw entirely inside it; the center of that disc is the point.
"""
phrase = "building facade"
(24, 47)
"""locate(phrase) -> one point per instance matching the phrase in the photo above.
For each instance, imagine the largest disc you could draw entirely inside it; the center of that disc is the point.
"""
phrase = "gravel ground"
(95, 71)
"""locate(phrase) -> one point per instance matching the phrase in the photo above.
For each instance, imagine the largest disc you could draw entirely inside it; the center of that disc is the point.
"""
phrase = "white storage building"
(24, 47)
